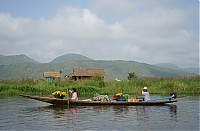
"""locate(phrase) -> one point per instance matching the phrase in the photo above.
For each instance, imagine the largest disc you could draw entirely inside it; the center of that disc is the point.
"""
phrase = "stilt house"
(86, 74)
(49, 76)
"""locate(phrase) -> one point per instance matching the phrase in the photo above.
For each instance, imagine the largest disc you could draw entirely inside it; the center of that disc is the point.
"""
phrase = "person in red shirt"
(115, 97)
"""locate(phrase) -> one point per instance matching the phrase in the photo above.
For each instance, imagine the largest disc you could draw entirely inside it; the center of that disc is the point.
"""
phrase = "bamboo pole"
(68, 97)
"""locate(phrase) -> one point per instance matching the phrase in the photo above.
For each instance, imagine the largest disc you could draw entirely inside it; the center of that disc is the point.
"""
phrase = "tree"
(131, 75)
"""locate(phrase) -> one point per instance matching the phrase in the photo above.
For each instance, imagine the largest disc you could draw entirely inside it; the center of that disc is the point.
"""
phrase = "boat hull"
(56, 101)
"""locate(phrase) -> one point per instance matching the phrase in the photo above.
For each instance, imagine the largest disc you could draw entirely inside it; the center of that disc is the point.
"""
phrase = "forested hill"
(175, 67)
(23, 67)
(70, 57)
(13, 59)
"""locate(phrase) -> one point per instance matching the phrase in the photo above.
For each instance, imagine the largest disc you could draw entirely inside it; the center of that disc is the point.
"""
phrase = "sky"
(147, 31)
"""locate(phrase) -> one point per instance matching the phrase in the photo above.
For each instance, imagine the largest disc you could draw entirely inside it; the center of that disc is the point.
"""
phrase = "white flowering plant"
(98, 97)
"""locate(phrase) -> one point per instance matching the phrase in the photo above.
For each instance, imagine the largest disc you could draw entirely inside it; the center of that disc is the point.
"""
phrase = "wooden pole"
(68, 97)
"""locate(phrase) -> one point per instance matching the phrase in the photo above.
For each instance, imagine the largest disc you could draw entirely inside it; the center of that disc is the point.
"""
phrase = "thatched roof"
(88, 72)
(52, 74)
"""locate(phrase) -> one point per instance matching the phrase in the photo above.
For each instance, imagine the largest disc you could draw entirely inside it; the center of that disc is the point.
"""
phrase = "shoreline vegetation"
(161, 86)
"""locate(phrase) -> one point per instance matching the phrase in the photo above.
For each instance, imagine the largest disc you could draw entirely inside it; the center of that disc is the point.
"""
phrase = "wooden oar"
(68, 97)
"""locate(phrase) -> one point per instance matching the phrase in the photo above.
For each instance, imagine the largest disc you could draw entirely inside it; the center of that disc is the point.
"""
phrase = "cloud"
(130, 30)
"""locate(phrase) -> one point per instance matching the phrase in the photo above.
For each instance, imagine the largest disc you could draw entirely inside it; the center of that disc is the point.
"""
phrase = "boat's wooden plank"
(57, 101)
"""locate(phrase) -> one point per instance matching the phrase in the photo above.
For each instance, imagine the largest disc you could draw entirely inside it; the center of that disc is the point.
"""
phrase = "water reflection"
(120, 111)
(143, 113)
(173, 112)
(143, 116)
(58, 111)
(63, 116)
(73, 114)
(77, 117)
(100, 108)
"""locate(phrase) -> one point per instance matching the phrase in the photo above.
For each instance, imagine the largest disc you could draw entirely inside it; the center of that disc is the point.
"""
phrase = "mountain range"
(21, 66)
(175, 67)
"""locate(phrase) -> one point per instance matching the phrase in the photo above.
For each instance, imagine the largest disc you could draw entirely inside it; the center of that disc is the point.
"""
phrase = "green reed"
(155, 86)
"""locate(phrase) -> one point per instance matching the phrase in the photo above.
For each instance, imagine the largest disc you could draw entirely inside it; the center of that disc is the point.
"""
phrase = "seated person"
(115, 97)
(74, 94)
(145, 93)
(173, 95)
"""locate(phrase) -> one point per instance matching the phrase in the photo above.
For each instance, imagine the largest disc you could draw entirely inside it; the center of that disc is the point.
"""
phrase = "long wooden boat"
(56, 101)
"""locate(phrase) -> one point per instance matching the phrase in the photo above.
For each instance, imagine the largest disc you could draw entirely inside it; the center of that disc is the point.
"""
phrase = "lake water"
(18, 113)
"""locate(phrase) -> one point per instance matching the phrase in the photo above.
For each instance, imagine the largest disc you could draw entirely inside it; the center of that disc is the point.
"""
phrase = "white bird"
(117, 79)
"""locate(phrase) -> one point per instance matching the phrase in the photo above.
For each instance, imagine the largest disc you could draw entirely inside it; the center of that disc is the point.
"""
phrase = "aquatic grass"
(162, 86)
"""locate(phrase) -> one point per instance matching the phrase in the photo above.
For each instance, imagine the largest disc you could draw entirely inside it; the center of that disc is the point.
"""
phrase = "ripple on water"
(26, 114)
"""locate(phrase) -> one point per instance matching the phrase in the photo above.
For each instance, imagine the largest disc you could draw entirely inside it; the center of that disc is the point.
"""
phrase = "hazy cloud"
(155, 32)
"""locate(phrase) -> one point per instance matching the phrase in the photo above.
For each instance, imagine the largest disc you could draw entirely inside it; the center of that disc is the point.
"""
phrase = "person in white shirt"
(145, 93)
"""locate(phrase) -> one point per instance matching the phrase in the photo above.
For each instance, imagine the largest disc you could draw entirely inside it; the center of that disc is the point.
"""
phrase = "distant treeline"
(161, 86)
